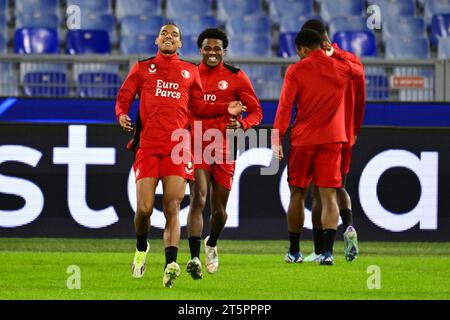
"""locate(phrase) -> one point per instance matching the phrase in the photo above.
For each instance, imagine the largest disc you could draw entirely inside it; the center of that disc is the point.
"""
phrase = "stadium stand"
(137, 8)
(440, 27)
(178, 8)
(361, 43)
(278, 9)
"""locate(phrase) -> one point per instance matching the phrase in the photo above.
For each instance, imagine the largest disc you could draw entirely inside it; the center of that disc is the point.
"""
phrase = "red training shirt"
(317, 85)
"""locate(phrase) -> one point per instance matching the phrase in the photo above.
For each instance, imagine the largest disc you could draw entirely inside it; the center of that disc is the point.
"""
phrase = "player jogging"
(317, 85)
(221, 83)
(168, 88)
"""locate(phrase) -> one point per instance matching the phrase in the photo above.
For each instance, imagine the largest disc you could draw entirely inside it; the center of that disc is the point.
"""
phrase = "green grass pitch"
(249, 270)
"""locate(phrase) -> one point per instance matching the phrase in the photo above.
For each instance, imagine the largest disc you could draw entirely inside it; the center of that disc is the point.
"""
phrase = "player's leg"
(198, 194)
(174, 188)
(316, 211)
(220, 192)
(351, 249)
(330, 219)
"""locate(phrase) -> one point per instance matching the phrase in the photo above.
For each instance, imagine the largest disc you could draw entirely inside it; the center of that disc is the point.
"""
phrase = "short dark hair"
(316, 25)
(308, 38)
(171, 23)
(212, 33)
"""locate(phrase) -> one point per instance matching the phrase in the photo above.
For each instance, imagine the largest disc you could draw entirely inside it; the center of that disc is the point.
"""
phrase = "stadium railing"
(100, 76)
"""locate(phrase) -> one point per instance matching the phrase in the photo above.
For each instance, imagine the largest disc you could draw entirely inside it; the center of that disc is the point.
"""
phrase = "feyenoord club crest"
(152, 68)
(185, 74)
(223, 85)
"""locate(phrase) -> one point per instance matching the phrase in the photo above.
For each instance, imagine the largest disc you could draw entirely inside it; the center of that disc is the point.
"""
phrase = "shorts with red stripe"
(149, 164)
(320, 163)
(346, 158)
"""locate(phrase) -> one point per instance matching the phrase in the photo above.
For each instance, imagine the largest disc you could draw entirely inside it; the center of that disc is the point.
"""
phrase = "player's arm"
(202, 109)
(284, 112)
(356, 67)
(248, 97)
(360, 101)
(125, 97)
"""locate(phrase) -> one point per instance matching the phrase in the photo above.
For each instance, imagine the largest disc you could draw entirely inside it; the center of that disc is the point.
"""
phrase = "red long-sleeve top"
(317, 85)
(355, 96)
(168, 89)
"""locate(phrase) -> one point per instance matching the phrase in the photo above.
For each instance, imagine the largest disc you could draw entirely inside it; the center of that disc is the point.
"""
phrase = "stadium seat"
(279, 8)
(139, 44)
(350, 23)
(3, 45)
(440, 27)
(32, 6)
(250, 45)
(8, 81)
(361, 43)
(141, 25)
(404, 26)
(286, 44)
(98, 84)
(196, 24)
(227, 9)
(45, 84)
(407, 48)
(36, 41)
(137, 8)
(97, 6)
(433, 7)
(392, 9)
(178, 8)
(189, 48)
(103, 21)
(264, 72)
(87, 42)
(249, 24)
(444, 48)
(377, 87)
(38, 19)
(294, 22)
(341, 8)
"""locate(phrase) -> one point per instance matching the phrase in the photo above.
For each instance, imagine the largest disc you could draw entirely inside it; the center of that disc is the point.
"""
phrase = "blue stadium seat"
(392, 9)
(98, 84)
(45, 84)
(8, 80)
(32, 6)
(377, 87)
(286, 44)
(141, 25)
(404, 26)
(178, 8)
(139, 44)
(350, 23)
(433, 7)
(36, 41)
(361, 43)
(87, 42)
(249, 24)
(279, 8)
(103, 21)
(196, 24)
(38, 19)
(440, 27)
(264, 72)
(250, 45)
(294, 22)
(137, 7)
(444, 48)
(97, 6)
(341, 8)
(407, 48)
(227, 9)
(3, 44)
(189, 48)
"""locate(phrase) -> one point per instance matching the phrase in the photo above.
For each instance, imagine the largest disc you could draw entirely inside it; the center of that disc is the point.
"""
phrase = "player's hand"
(234, 124)
(235, 108)
(326, 45)
(125, 123)
(277, 151)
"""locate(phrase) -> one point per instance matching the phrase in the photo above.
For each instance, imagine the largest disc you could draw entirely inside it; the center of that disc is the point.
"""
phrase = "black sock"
(294, 239)
(328, 240)
(347, 220)
(212, 241)
(171, 255)
(141, 243)
(194, 246)
(318, 240)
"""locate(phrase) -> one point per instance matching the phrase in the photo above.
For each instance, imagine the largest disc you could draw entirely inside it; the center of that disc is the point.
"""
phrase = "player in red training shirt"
(221, 83)
(355, 96)
(168, 89)
(317, 86)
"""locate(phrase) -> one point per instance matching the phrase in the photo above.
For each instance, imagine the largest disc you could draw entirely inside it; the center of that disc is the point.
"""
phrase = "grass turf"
(249, 270)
